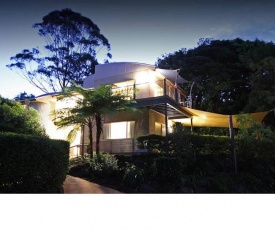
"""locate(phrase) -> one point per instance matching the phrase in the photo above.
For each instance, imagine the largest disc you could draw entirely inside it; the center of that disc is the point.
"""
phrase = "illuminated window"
(119, 130)
(124, 88)
(160, 129)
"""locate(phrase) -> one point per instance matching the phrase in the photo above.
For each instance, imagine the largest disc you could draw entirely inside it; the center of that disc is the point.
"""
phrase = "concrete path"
(75, 185)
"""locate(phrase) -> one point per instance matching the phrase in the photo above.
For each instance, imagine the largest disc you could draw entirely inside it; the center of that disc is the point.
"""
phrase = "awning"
(207, 119)
(172, 75)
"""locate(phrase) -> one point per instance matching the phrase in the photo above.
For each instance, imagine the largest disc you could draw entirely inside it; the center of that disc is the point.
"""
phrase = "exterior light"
(145, 144)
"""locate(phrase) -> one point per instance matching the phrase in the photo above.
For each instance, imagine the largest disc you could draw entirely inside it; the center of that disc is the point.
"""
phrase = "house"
(45, 104)
(158, 95)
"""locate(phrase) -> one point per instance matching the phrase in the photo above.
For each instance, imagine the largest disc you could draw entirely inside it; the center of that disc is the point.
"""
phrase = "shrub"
(102, 165)
(168, 173)
(15, 118)
(133, 177)
(155, 143)
(32, 164)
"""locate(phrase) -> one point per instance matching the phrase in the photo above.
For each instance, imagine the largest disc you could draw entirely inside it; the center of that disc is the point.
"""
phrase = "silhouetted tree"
(72, 43)
(24, 96)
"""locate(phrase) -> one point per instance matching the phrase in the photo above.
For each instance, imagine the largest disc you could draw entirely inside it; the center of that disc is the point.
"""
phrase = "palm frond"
(73, 133)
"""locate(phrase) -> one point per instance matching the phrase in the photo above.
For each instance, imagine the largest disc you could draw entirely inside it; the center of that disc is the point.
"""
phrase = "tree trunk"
(90, 125)
(98, 132)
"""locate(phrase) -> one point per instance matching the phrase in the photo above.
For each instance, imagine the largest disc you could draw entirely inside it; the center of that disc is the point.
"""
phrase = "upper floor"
(138, 81)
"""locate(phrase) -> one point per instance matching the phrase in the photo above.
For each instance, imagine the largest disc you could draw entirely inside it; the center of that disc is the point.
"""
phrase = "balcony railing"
(152, 89)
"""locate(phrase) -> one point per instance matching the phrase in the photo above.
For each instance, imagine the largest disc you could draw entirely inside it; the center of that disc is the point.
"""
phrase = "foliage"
(151, 142)
(249, 128)
(214, 131)
(133, 176)
(32, 164)
(168, 173)
(23, 97)
(15, 118)
(182, 142)
(209, 172)
(90, 107)
(230, 76)
(100, 168)
(201, 164)
(72, 45)
(262, 86)
(103, 165)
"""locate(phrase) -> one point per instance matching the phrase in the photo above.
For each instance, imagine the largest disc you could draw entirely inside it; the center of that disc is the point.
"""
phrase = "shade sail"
(172, 75)
(207, 119)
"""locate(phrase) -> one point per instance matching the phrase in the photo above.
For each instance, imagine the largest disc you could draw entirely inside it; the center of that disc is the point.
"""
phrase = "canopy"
(206, 119)
(172, 75)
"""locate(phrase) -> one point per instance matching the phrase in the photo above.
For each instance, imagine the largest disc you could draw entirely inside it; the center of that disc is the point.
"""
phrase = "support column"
(191, 119)
(233, 154)
(166, 130)
(82, 141)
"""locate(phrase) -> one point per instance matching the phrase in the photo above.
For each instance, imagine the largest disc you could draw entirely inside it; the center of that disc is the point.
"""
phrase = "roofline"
(125, 62)
(47, 94)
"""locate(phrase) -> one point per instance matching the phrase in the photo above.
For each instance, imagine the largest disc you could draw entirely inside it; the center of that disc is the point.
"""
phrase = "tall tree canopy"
(231, 76)
(72, 44)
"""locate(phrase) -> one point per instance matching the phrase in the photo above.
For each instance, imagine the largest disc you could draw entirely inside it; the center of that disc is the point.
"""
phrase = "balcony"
(151, 90)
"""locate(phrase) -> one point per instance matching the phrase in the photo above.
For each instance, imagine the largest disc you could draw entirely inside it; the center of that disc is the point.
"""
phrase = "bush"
(102, 165)
(32, 164)
(168, 173)
(15, 118)
(133, 177)
(155, 143)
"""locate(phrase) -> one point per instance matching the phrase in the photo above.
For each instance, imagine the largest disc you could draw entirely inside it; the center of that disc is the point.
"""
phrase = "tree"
(72, 44)
(15, 118)
(250, 128)
(262, 82)
(91, 106)
(222, 71)
(24, 96)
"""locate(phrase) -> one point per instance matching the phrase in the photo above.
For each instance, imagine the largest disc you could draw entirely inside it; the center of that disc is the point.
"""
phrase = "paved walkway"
(75, 185)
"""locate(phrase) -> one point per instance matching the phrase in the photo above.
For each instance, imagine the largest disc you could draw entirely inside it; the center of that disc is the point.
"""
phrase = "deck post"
(166, 129)
(233, 154)
(82, 141)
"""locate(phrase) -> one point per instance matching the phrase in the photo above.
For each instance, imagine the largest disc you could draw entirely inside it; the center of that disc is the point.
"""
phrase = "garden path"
(75, 185)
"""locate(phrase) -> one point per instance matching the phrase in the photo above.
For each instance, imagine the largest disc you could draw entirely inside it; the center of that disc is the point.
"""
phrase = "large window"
(124, 88)
(119, 130)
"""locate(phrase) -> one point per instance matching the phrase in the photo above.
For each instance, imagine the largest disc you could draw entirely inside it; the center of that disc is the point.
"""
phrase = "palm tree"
(107, 103)
(91, 105)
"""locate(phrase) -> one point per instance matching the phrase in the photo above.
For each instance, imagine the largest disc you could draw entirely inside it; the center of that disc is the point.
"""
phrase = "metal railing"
(152, 89)
(76, 150)
(115, 146)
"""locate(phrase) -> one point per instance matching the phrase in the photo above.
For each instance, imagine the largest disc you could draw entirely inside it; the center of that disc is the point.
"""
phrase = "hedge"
(30, 164)
(184, 143)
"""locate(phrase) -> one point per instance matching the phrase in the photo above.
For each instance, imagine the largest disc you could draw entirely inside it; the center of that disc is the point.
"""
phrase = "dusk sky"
(138, 31)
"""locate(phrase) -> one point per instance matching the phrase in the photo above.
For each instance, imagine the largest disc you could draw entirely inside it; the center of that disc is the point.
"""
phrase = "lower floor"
(121, 130)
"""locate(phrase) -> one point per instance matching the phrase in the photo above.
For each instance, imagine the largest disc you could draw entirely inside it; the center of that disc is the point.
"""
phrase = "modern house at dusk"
(156, 93)
(160, 99)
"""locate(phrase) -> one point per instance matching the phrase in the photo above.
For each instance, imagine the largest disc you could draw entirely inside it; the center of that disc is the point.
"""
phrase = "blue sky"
(139, 31)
